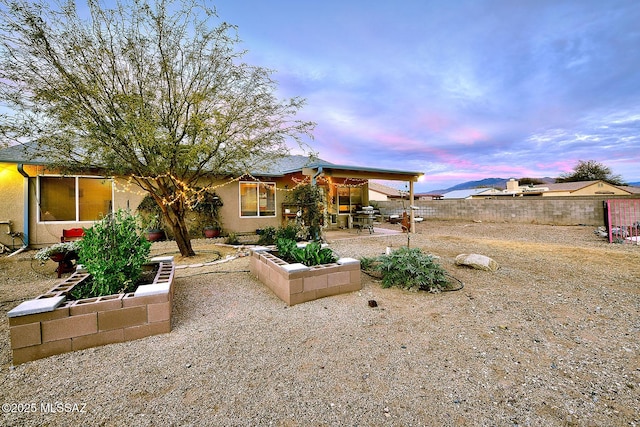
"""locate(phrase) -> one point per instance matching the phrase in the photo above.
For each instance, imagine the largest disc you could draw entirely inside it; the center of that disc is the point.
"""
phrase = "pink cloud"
(468, 136)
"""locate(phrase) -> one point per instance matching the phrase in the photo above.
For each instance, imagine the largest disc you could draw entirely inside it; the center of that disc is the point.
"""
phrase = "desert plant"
(113, 251)
(59, 248)
(408, 268)
(232, 239)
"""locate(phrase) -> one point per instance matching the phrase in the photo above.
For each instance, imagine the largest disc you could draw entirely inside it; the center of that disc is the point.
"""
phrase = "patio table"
(364, 219)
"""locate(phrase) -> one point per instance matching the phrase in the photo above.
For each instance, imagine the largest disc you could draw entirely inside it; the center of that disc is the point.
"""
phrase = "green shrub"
(113, 251)
(408, 268)
(232, 239)
(270, 235)
(267, 236)
(290, 231)
(312, 254)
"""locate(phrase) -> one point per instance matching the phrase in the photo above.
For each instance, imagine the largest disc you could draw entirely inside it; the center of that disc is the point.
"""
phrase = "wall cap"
(41, 305)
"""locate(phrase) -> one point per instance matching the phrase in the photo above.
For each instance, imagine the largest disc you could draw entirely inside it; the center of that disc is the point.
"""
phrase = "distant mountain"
(483, 183)
(634, 184)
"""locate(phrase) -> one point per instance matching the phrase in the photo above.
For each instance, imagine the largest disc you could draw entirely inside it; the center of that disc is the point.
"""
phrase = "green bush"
(270, 235)
(267, 236)
(312, 254)
(113, 251)
(290, 231)
(232, 239)
(408, 268)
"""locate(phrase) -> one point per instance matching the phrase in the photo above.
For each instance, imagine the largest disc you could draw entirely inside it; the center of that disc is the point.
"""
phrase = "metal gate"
(622, 218)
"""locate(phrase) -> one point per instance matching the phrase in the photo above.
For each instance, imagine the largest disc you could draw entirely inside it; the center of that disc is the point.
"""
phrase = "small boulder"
(479, 262)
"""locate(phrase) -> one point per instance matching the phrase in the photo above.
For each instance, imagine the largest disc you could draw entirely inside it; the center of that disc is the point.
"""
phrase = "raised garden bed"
(53, 323)
(297, 283)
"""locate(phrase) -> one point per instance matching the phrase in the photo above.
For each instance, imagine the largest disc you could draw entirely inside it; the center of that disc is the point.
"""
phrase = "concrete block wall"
(296, 283)
(570, 210)
(92, 322)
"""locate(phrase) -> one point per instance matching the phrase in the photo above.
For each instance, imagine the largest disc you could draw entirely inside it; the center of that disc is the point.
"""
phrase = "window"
(74, 198)
(348, 199)
(257, 199)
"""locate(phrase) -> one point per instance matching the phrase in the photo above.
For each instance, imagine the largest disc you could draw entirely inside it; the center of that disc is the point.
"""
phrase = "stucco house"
(381, 192)
(471, 193)
(566, 189)
(38, 202)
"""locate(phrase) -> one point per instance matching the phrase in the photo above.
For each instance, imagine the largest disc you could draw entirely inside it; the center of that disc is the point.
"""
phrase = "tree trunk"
(175, 216)
(181, 234)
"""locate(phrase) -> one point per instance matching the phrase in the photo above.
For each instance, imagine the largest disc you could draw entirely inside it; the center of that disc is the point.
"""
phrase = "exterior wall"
(76, 325)
(375, 196)
(11, 209)
(539, 210)
(229, 192)
(295, 283)
(129, 195)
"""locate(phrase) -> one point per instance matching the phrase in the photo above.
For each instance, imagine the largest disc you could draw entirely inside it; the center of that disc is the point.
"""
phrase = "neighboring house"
(564, 189)
(380, 192)
(471, 193)
(39, 202)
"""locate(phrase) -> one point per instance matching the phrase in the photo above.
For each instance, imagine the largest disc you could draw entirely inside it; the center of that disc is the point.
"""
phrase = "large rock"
(479, 262)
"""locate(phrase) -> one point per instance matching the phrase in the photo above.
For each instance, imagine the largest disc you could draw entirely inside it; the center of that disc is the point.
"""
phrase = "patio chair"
(72, 234)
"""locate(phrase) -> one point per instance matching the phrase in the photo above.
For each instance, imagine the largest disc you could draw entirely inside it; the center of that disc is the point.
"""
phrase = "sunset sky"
(459, 90)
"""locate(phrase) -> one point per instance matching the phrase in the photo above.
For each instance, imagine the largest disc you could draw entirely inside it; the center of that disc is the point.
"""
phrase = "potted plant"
(152, 217)
(154, 232)
(211, 231)
(207, 207)
(63, 253)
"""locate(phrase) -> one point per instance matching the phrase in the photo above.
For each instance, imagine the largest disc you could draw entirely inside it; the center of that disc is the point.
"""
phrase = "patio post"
(411, 210)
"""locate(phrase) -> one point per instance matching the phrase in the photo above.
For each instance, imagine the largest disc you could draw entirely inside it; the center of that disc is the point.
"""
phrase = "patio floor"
(350, 233)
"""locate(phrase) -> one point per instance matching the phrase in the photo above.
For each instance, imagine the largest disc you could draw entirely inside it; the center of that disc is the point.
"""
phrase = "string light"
(190, 195)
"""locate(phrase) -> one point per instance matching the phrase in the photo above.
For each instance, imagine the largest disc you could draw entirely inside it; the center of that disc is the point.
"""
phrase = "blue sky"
(459, 90)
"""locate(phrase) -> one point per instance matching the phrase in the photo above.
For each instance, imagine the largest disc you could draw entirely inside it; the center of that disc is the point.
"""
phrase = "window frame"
(77, 179)
(352, 206)
(258, 184)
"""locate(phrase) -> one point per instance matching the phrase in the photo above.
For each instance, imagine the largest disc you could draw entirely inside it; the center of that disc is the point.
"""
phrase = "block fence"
(49, 325)
(570, 210)
(297, 283)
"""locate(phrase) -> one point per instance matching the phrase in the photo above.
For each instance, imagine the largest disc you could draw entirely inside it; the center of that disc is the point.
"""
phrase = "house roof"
(579, 185)
(309, 166)
(27, 154)
(566, 186)
(631, 189)
(285, 165)
(22, 153)
(361, 172)
(463, 194)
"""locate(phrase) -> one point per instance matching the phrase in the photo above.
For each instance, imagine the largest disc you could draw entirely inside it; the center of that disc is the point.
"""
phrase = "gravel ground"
(550, 339)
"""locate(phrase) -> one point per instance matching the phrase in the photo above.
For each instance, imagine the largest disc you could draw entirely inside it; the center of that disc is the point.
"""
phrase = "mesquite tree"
(591, 170)
(154, 91)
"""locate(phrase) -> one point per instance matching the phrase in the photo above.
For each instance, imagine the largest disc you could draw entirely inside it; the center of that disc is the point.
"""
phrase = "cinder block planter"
(49, 324)
(296, 283)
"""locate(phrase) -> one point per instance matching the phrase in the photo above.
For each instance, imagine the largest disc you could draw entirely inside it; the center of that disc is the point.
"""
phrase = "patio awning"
(358, 172)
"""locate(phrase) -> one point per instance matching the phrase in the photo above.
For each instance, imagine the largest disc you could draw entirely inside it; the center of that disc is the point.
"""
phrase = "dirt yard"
(551, 338)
